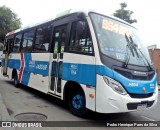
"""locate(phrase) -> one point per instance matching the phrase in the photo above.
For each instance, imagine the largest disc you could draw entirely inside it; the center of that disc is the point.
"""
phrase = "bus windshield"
(120, 41)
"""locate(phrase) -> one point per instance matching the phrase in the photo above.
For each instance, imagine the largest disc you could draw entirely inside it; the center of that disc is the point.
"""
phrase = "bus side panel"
(32, 69)
(81, 69)
(37, 71)
(13, 63)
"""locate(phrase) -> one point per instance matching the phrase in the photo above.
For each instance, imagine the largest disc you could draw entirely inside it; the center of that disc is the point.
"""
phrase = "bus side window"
(63, 39)
(8, 47)
(1, 47)
(80, 40)
(42, 39)
(27, 42)
(17, 42)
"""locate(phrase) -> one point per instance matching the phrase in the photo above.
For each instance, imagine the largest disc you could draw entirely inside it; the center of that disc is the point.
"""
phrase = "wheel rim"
(78, 101)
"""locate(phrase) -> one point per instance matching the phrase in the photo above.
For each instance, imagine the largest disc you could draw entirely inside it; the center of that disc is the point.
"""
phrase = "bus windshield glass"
(120, 41)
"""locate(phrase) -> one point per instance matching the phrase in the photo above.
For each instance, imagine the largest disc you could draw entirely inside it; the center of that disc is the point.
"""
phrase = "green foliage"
(8, 21)
(124, 14)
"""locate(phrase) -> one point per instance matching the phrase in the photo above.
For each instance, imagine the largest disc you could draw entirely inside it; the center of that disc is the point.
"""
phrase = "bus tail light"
(116, 86)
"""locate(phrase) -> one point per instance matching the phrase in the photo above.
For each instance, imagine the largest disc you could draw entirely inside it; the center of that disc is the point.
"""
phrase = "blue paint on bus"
(81, 73)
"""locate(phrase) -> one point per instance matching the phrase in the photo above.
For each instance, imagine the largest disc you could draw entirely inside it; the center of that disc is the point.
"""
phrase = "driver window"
(80, 40)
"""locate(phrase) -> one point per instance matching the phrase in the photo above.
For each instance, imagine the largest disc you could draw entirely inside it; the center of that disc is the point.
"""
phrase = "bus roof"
(62, 14)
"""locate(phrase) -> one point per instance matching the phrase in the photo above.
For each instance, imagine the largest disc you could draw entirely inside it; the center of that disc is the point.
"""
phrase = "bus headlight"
(116, 86)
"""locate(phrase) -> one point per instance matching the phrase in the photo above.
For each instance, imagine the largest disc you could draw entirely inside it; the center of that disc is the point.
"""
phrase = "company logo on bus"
(133, 84)
(74, 69)
(144, 89)
(140, 73)
(152, 85)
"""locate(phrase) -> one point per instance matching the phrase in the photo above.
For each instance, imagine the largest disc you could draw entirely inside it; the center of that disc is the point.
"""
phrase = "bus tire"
(15, 79)
(77, 103)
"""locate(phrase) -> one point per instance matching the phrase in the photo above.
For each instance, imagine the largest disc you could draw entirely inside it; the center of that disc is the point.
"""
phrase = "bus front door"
(5, 64)
(59, 39)
(7, 53)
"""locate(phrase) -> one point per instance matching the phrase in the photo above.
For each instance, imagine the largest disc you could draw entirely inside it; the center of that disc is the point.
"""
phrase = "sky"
(147, 12)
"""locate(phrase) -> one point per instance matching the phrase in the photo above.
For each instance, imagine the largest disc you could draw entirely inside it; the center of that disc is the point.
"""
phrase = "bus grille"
(133, 106)
(129, 75)
(140, 95)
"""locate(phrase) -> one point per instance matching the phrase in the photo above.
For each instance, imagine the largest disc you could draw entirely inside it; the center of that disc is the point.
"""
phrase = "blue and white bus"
(90, 60)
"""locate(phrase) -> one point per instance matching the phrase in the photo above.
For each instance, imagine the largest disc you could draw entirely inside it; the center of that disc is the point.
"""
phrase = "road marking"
(148, 118)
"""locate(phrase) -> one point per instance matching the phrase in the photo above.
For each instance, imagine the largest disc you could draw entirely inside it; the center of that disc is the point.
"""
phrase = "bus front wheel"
(77, 103)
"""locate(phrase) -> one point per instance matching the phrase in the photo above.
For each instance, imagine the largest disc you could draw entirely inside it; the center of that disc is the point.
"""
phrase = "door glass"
(59, 44)
(56, 47)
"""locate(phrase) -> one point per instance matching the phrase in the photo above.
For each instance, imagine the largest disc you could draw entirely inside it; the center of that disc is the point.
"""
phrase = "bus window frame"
(10, 49)
(77, 52)
(26, 31)
(37, 27)
(20, 42)
(52, 45)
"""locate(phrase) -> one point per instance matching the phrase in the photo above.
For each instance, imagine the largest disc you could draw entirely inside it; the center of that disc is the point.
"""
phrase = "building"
(155, 56)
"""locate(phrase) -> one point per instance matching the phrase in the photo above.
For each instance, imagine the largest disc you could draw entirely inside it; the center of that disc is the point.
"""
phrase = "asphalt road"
(26, 100)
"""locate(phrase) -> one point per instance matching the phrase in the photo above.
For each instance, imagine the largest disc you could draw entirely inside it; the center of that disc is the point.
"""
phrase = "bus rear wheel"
(77, 103)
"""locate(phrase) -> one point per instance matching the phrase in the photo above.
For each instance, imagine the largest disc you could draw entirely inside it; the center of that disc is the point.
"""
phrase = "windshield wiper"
(133, 48)
(136, 47)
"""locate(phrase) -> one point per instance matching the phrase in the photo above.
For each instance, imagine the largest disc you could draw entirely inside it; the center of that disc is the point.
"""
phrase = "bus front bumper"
(109, 101)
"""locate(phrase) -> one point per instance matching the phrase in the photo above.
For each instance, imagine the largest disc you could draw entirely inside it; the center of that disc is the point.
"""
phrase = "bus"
(93, 62)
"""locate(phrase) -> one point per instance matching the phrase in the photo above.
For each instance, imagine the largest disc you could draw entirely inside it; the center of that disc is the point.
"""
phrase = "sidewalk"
(4, 115)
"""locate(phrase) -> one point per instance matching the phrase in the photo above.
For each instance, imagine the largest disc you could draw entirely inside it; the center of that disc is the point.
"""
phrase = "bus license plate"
(141, 107)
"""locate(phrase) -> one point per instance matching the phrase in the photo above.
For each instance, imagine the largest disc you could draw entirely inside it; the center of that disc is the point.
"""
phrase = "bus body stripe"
(26, 74)
(81, 73)
(21, 68)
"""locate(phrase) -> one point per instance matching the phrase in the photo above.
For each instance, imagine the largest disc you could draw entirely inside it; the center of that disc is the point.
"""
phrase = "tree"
(124, 14)
(8, 21)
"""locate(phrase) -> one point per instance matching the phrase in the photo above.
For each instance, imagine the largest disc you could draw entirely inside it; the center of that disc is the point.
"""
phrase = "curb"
(4, 115)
